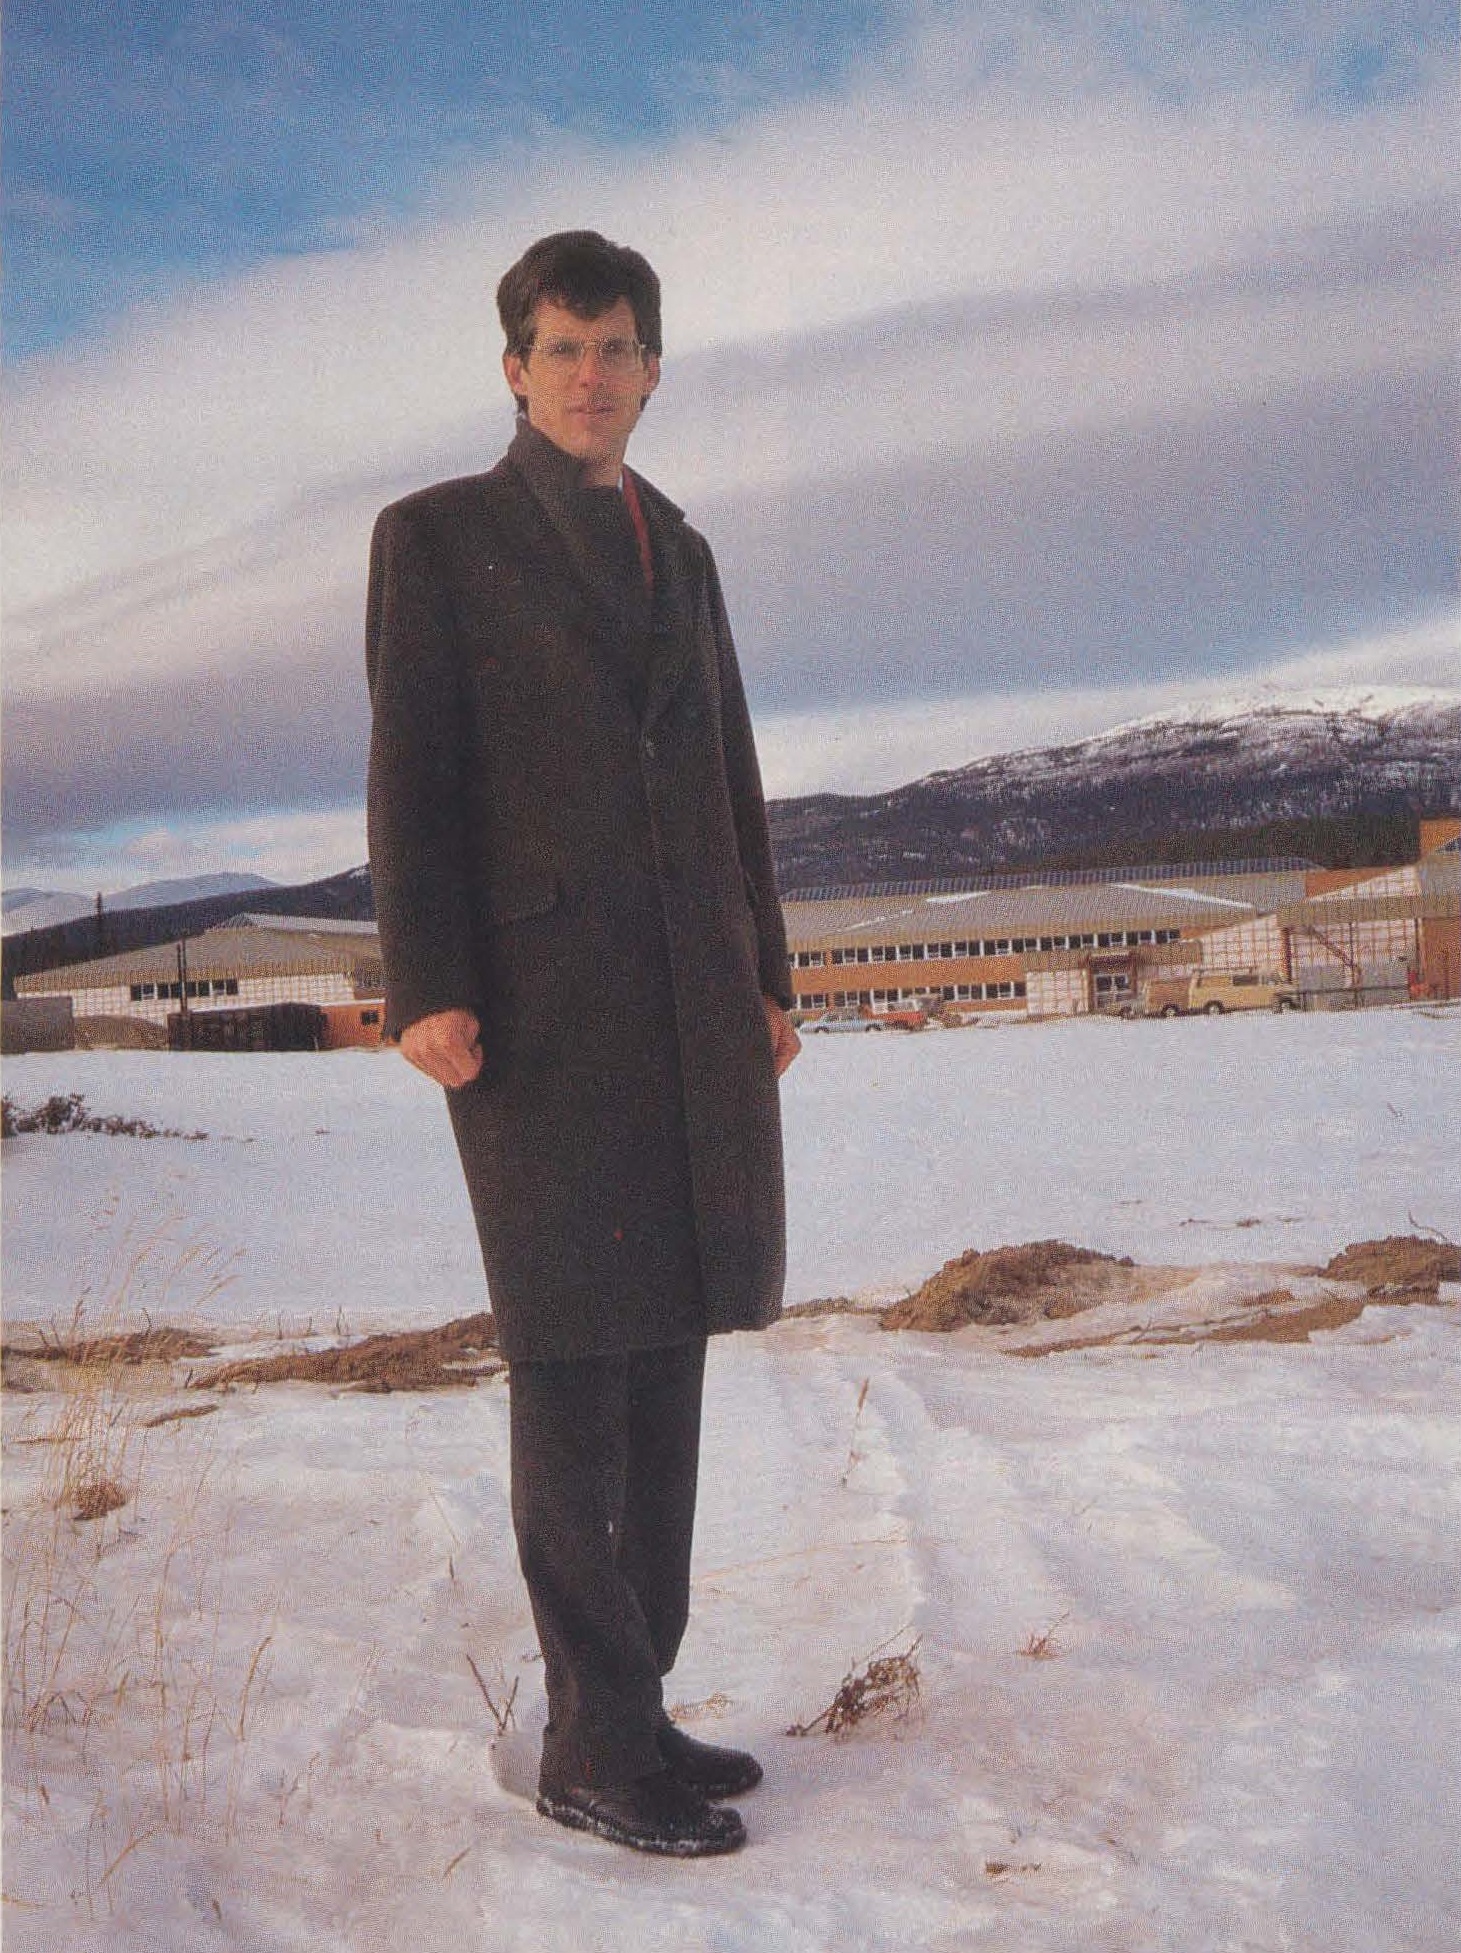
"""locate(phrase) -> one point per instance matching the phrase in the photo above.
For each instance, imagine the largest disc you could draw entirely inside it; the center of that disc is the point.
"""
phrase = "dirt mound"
(1401, 1264)
(458, 1353)
(1275, 1316)
(1041, 1280)
(1273, 1321)
(119, 1034)
(824, 1305)
(159, 1345)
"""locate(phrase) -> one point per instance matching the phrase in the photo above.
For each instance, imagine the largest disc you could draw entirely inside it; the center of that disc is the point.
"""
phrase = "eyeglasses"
(565, 356)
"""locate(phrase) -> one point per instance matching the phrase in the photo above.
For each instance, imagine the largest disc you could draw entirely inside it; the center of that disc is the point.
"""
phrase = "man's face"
(586, 409)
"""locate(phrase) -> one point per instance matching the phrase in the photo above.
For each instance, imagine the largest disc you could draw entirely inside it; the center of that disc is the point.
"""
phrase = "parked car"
(841, 1020)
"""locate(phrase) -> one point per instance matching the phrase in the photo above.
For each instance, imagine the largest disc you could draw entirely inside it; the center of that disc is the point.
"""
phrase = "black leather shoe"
(702, 1766)
(657, 1813)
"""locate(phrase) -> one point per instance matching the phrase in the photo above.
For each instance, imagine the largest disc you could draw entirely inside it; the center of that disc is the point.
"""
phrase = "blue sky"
(1028, 365)
(148, 145)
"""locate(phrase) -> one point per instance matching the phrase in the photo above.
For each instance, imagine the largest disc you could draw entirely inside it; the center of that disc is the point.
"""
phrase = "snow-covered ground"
(1244, 1736)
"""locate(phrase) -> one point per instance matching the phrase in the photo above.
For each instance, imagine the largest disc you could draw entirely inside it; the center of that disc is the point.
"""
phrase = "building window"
(370, 1017)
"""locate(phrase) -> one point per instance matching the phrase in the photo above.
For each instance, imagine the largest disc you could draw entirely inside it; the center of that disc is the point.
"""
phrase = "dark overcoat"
(568, 837)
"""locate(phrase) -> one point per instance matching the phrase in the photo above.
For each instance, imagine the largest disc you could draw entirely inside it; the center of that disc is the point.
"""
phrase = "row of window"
(949, 993)
(142, 993)
(815, 959)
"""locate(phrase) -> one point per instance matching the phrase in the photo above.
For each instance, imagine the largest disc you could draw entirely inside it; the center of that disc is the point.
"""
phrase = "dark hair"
(586, 273)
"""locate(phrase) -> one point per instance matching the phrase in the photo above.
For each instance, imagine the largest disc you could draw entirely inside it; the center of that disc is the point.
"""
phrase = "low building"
(1088, 941)
(1078, 942)
(250, 963)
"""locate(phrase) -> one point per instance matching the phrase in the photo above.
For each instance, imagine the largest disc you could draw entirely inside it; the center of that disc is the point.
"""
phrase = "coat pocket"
(516, 901)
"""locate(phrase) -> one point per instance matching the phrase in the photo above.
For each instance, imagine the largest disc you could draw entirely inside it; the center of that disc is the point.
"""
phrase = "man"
(583, 944)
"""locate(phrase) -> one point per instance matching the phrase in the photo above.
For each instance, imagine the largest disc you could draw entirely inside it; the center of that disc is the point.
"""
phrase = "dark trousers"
(604, 1460)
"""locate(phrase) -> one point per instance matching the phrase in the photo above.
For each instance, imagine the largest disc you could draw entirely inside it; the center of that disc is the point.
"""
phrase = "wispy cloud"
(1080, 392)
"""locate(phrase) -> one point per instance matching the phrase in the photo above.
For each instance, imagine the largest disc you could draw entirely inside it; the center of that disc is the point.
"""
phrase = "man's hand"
(785, 1044)
(445, 1046)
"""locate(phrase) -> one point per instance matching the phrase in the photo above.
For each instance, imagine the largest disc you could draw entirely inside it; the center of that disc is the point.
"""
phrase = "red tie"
(641, 530)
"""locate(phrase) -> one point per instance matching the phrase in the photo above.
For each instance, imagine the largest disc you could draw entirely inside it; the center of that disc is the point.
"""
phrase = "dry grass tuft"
(163, 1344)
(97, 1498)
(501, 1711)
(824, 1305)
(66, 1112)
(117, 1672)
(1044, 1647)
(887, 1686)
(179, 1416)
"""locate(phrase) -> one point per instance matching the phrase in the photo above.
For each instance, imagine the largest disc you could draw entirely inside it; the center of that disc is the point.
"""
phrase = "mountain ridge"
(1339, 776)
(1229, 767)
(38, 908)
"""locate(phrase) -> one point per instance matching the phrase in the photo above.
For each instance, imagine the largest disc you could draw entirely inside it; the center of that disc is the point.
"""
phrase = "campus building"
(1088, 940)
(1073, 943)
(252, 963)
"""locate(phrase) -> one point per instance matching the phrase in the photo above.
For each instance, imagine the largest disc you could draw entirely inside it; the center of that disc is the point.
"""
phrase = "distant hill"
(39, 908)
(345, 897)
(1339, 777)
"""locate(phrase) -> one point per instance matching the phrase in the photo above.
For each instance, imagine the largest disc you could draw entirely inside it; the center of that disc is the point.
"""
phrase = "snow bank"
(1247, 1558)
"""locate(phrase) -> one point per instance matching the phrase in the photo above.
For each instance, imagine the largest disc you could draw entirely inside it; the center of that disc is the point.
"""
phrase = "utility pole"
(185, 1039)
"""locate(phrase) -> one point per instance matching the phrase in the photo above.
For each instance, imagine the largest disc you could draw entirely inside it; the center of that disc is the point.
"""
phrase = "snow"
(1248, 1554)
(1394, 726)
(1375, 703)
(33, 908)
(1191, 894)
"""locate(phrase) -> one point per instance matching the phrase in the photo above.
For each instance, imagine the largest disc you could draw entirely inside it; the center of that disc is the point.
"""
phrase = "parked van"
(1215, 991)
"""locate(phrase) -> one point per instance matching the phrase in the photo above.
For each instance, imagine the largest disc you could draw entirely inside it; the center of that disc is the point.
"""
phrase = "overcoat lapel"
(674, 600)
(549, 475)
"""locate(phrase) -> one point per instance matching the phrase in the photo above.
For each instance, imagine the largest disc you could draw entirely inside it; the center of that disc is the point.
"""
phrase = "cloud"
(862, 748)
(290, 847)
(1035, 400)
(870, 748)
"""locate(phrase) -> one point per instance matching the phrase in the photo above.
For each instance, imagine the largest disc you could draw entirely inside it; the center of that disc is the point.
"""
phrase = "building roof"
(1184, 872)
(256, 949)
(1032, 911)
(312, 925)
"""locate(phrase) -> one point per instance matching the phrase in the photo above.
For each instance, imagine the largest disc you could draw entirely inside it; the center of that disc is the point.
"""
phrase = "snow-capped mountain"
(38, 908)
(1259, 764)
(1337, 775)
